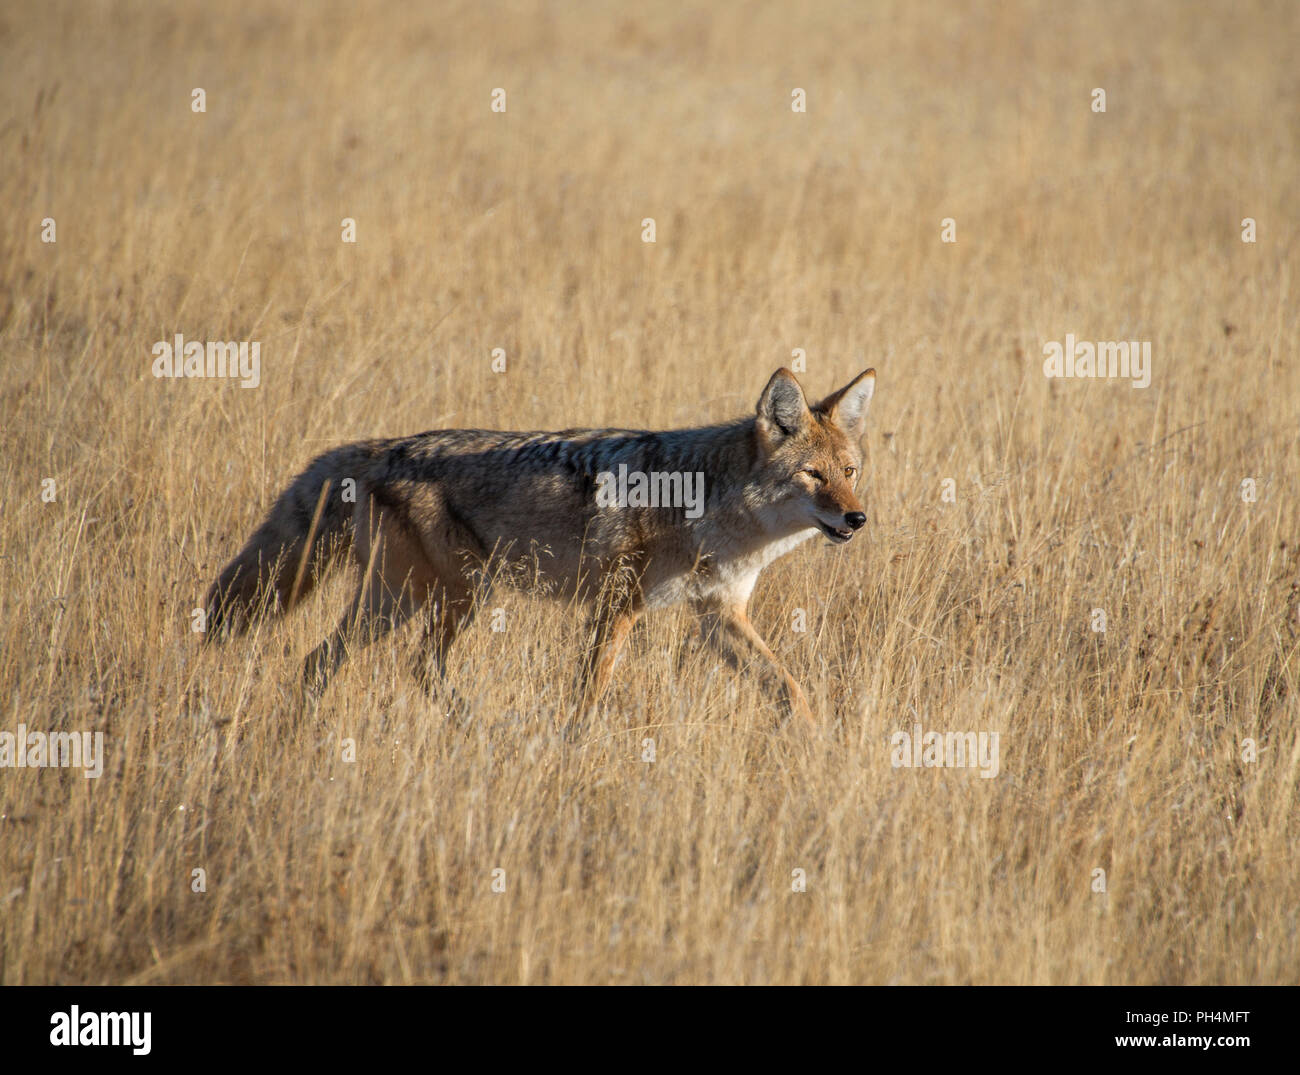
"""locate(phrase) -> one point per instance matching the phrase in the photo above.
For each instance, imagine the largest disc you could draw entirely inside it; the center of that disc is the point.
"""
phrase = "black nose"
(856, 519)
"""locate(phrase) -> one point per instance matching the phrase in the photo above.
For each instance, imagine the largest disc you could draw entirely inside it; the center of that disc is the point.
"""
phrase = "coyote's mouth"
(834, 533)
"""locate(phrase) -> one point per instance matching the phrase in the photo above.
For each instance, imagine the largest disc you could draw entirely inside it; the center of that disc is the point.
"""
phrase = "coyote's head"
(810, 457)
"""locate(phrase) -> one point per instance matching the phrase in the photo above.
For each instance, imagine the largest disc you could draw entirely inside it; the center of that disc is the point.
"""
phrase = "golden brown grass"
(477, 230)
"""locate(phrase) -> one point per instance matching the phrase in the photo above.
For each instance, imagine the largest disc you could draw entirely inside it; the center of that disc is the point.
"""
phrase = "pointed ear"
(782, 409)
(847, 408)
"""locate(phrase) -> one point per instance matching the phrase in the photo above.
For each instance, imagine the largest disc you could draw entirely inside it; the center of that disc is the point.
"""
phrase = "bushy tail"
(307, 531)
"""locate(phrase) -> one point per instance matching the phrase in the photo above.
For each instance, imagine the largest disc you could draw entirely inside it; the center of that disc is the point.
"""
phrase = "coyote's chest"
(727, 575)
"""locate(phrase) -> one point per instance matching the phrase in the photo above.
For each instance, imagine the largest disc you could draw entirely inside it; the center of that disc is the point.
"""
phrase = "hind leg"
(376, 610)
(449, 607)
(456, 577)
(395, 580)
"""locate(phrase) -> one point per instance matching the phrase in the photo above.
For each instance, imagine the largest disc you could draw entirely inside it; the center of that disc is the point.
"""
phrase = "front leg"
(726, 627)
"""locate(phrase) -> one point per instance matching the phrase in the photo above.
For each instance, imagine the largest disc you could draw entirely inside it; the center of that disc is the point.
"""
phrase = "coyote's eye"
(849, 472)
(816, 475)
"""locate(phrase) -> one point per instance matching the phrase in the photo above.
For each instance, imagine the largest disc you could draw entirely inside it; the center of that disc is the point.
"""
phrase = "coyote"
(434, 519)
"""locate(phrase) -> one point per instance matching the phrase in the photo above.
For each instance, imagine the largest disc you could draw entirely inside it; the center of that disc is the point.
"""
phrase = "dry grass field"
(1163, 750)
